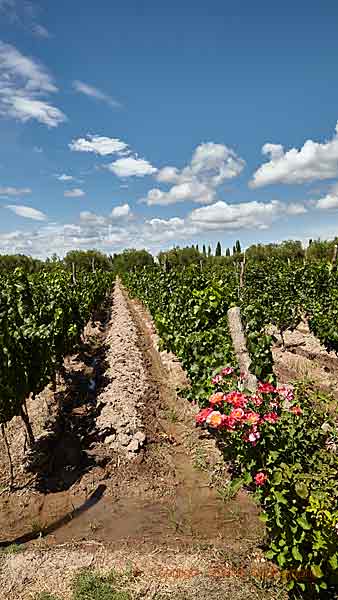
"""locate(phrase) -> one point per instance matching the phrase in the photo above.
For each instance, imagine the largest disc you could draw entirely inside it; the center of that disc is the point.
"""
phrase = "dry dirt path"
(132, 481)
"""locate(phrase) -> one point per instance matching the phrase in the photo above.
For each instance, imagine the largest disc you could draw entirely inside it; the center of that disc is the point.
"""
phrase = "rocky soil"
(132, 483)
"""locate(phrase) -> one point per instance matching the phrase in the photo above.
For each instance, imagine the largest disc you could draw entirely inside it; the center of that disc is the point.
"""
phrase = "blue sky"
(152, 124)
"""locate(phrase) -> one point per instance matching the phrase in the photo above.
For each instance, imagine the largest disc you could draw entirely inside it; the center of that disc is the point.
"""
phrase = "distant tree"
(218, 251)
(209, 250)
(9, 262)
(234, 250)
(196, 248)
(131, 258)
(227, 252)
(238, 247)
(204, 250)
(87, 260)
(177, 257)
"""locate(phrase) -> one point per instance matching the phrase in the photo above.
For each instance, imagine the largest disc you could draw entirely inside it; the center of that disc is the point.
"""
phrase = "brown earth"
(161, 508)
(304, 358)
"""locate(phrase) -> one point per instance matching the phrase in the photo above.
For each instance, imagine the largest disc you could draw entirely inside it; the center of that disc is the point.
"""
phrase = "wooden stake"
(25, 418)
(239, 344)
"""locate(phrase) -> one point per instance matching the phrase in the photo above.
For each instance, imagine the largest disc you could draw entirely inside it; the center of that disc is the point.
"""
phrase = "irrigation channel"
(121, 478)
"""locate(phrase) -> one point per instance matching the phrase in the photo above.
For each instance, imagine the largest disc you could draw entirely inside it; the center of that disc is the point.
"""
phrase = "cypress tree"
(227, 252)
(238, 247)
(209, 251)
(204, 250)
(218, 249)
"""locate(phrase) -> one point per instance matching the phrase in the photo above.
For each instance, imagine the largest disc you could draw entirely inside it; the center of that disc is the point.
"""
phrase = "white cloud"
(23, 85)
(93, 92)
(244, 215)
(13, 191)
(119, 212)
(65, 177)
(193, 190)
(296, 208)
(91, 218)
(330, 200)
(210, 166)
(313, 161)
(74, 193)
(99, 145)
(131, 167)
(27, 212)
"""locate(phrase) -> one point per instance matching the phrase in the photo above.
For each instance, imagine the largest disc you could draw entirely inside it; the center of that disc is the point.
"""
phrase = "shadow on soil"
(93, 499)
(63, 454)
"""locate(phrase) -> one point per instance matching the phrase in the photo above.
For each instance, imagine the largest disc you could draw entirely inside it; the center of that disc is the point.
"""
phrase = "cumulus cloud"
(131, 167)
(313, 161)
(74, 193)
(24, 84)
(27, 211)
(210, 166)
(192, 190)
(243, 215)
(93, 92)
(103, 146)
(13, 191)
(119, 212)
(330, 200)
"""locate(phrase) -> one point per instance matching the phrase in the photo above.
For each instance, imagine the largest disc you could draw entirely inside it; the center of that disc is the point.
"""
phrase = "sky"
(152, 124)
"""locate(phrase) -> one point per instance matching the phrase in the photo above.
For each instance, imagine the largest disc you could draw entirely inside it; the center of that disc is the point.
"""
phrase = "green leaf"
(296, 554)
(301, 490)
(303, 522)
(333, 560)
(277, 477)
(316, 571)
(280, 498)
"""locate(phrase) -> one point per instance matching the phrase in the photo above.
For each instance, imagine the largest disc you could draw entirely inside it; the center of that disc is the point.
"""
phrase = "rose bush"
(286, 452)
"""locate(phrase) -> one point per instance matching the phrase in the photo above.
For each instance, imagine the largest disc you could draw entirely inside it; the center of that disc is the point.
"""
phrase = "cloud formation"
(93, 92)
(122, 211)
(116, 230)
(101, 145)
(13, 191)
(65, 177)
(24, 84)
(314, 161)
(131, 167)
(27, 211)
(330, 200)
(211, 165)
(74, 193)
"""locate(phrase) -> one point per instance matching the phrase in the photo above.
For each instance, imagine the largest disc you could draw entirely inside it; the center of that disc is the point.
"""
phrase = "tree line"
(92, 260)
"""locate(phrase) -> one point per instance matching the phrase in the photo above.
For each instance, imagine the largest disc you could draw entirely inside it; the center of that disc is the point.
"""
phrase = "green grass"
(12, 549)
(89, 586)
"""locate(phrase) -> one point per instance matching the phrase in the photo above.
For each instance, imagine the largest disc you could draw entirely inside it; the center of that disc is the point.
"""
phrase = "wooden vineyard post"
(73, 273)
(335, 252)
(239, 344)
(241, 276)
